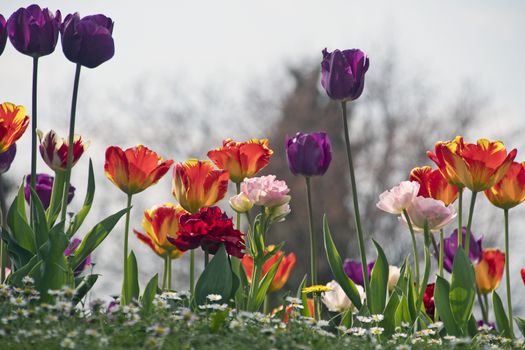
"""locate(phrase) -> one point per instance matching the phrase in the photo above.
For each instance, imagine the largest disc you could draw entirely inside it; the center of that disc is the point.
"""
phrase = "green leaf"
(336, 265)
(241, 294)
(462, 288)
(442, 302)
(94, 237)
(265, 283)
(502, 322)
(41, 228)
(16, 277)
(84, 287)
(379, 282)
(217, 278)
(411, 297)
(18, 255)
(305, 311)
(18, 225)
(521, 324)
(130, 288)
(403, 312)
(55, 202)
(347, 318)
(218, 320)
(149, 294)
(389, 320)
(79, 218)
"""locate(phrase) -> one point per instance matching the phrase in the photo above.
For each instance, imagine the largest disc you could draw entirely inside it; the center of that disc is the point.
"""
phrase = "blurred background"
(188, 74)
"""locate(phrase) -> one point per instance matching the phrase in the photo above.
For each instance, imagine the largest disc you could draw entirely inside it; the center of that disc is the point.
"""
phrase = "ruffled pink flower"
(266, 191)
(431, 211)
(398, 198)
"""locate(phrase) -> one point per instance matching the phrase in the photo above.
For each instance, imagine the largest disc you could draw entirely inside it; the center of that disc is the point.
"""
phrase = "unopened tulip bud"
(393, 277)
(241, 203)
(278, 214)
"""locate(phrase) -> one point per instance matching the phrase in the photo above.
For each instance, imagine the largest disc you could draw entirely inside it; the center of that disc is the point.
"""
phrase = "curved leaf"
(79, 218)
(462, 288)
(379, 282)
(502, 321)
(130, 287)
(442, 302)
(217, 278)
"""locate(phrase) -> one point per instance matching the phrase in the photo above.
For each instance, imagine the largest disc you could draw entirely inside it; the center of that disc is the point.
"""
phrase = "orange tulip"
(288, 311)
(490, 270)
(434, 185)
(197, 184)
(283, 271)
(134, 169)
(241, 159)
(475, 166)
(510, 191)
(159, 223)
(13, 123)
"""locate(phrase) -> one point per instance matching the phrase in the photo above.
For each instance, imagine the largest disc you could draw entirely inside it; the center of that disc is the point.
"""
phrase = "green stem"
(169, 273)
(33, 138)
(126, 233)
(484, 309)
(165, 274)
(357, 216)
(469, 223)
(206, 259)
(507, 271)
(313, 243)
(3, 250)
(460, 216)
(266, 305)
(192, 271)
(56, 198)
(70, 143)
(253, 284)
(441, 252)
(486, 299)
(238, 223)
(414, 246)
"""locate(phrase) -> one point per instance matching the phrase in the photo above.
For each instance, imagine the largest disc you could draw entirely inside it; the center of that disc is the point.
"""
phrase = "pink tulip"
(399, 198)
(431, 211)
(266, 191)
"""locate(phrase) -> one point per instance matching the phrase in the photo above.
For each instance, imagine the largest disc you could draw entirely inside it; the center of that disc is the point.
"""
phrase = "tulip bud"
(43, 188)
(336, 300)
(308, 154)
(393, 277)
(240, 203)
(278, 214)
(3, 33)
(490, 270)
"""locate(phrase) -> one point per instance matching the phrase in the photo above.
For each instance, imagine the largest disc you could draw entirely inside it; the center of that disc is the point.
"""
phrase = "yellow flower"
(318, 288)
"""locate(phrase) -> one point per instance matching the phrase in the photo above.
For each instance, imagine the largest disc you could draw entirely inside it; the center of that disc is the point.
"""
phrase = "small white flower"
(159, 330)
(170, 296)
(18, 301)
(435, 325)
(364, 319)
(28, 280)
(357, 331)
(403, 347)
(104, 341)
(323, 323)
(67, 343)
(377, 317)
(92, 332)
(293, 300)
(214, 297)
(399, 335)
(377, 330)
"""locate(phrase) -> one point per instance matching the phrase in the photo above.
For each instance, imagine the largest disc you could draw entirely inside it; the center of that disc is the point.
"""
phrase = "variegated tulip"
(489, 270)
(13, 123)
(510, 190)
(434, 185)
(54, 149)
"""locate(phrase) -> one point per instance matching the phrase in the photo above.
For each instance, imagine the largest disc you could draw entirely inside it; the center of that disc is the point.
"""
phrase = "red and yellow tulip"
(134, 169)
(13, 123)
(490, 270)
(476, 166)
(54, 149)
(434, 185)
(159, 223)
(241, 159)
(283, 271)
(523, 275)
(510, 190)
(197, 184)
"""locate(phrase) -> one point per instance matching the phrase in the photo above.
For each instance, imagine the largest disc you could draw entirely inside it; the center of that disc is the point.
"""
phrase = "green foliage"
(336, 265)
(502, 322)
(379, 282)
(462, 289)
(130, 288)
(217, 278)
(442, 302)
(79, 217)
(149, 294)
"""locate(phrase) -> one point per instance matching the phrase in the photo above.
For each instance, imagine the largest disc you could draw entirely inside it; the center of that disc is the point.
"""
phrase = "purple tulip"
(308, 154)
(7, 158)
(71, 248)
(343, 73)
(34, 31)
(88, 41)
(43, 187)
(354, 270)
(3, 33)
(451, 246)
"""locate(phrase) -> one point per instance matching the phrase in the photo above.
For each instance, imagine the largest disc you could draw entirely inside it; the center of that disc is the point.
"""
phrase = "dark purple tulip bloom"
(343, 73)
(88, 41)
(451, 246)
(34, 31)
(7, 158)
(354, 270)
(3, 33)
(71, 248)
(308, 154)
(43, 187)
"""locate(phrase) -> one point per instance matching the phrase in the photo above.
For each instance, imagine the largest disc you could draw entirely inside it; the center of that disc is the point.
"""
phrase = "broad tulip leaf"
(16, 277)
(79, 218)
(55, 203)
(347, 318)
(424, 281)
(462, 289)
(18, 255)
(84, 287)
(149, 294)
(18, 225)
(389, 321)
(379, 282)
(130, 288)
(402, 312)
(442, 302)
(241, 293)
(217, 278)
(521, 324)
(502, 321)
(94, 237)
(336, 265)
(265, 283)
(41, 228)
(305, 311)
